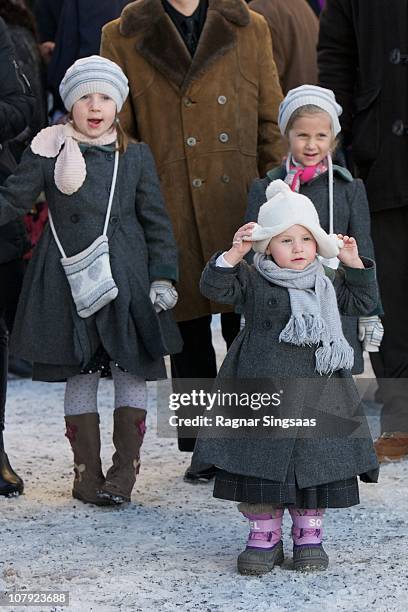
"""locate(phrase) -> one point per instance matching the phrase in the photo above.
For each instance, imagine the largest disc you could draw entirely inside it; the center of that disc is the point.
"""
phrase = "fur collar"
(160, 44)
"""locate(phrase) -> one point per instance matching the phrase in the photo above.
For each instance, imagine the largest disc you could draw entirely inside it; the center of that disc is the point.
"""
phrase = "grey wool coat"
(47, 329)
(257, 353)
(351, 218)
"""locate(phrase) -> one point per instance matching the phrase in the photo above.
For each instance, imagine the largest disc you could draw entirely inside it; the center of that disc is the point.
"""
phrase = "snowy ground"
(175, 547)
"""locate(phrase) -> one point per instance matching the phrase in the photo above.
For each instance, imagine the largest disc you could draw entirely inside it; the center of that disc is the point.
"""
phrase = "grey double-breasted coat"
(47, 329)
(257, 353)
(351, 217)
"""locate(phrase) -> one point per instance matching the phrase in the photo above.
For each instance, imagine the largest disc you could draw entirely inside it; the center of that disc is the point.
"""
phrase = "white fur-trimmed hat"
(285, 208)
(94, 74)
(309, 94)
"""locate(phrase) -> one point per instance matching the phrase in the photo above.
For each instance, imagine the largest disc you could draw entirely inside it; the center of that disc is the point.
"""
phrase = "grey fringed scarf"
(315, 317)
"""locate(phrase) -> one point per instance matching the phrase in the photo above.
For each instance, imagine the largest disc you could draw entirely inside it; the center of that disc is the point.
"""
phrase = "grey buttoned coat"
(351, 217)
(256, 353)
(47, 329)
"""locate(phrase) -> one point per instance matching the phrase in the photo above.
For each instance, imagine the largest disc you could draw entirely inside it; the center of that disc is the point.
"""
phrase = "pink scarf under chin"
(298, 174)
(70, 167)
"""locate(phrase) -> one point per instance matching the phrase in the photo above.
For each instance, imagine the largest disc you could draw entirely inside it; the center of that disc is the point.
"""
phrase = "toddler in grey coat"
(97, 295)
(293, 341)
(308, 118)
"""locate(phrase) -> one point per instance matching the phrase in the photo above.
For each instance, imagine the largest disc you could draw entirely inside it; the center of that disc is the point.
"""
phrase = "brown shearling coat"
(211, 122)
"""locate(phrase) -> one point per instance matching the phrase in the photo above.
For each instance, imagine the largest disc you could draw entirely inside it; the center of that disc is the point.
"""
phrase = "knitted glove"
(163, 295)
(370, 333)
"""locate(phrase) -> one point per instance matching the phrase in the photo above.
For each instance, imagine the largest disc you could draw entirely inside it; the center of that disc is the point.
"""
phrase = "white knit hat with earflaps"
(285, 208)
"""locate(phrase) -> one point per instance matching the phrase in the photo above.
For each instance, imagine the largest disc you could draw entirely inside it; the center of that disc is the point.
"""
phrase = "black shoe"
(11, 484)
(199, 473)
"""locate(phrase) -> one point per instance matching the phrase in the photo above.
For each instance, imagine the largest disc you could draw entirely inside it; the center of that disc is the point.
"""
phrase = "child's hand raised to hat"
(241, 244)
(349, 252)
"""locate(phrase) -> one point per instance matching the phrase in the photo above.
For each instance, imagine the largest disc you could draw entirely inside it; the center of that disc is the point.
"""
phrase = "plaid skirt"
(239, 488)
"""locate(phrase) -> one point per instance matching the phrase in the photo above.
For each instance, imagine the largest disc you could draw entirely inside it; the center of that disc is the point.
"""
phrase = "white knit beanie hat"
(285, 208)
(94, 74)
(309, 94)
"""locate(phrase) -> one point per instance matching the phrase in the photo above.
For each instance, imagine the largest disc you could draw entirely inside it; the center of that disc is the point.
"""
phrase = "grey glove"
(163, 295)
(370, 333)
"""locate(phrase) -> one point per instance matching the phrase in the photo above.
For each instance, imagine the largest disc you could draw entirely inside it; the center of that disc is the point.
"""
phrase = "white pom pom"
(276, 187)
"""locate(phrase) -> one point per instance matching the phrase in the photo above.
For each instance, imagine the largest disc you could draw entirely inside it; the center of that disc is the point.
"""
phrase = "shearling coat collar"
(161, 45)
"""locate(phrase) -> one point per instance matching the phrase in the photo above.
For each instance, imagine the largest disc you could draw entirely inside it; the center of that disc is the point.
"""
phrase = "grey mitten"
(370, 333)
(163, 295)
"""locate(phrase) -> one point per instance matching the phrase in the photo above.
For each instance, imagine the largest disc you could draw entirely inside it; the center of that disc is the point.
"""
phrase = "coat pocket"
(366, 126)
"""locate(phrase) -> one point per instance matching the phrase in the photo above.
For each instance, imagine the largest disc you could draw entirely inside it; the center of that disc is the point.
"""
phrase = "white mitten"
(370, 333)
(163, 295)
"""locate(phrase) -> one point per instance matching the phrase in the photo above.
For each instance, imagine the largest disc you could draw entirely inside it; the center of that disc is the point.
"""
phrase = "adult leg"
(389, 231)
(10, 482)
(230, 326)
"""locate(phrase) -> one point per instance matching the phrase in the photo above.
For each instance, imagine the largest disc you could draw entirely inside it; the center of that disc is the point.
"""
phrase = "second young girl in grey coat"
(308, 118)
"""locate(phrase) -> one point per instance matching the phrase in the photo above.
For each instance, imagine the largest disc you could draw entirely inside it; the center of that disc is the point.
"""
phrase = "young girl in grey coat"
(292, 340)
(308, 118)
(98, 291)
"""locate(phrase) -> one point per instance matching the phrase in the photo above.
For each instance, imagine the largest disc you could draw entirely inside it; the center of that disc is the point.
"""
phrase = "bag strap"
(111, 194)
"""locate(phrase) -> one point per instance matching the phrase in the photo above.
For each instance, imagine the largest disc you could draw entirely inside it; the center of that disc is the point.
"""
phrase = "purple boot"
(307, 535)
(264, 548)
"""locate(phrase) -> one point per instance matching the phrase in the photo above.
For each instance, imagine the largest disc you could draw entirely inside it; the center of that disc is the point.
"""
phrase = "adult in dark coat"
(16, 108)
(74, 26)
(371, 83)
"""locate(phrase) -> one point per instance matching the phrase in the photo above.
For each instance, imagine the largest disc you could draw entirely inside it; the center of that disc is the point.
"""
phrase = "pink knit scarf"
(70, 167)
(298, 174)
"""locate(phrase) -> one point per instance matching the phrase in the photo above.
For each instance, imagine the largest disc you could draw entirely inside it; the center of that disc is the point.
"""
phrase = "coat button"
(191, 141)
(74, 218)
(398, 128)
(222, 100)
(272, 302)
(396, 57)
(225, 178)
(223, 137)
(267, 324)
(110, 156)
(197, 182)
(113, 220)
(188, 102)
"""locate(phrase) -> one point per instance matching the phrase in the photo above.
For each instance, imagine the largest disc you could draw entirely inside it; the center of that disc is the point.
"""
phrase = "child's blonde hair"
(310, 109)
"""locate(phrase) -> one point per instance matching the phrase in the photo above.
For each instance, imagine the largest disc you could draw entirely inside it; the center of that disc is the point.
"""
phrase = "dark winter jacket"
(257, 353)
(16, 108)
(361, 56)
(351, 217)
(47, 329)
(79, 35)
(21, 27)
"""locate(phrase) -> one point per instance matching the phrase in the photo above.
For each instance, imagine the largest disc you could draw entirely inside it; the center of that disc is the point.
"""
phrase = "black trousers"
(11, 278)
(197, 359)
(389, 229)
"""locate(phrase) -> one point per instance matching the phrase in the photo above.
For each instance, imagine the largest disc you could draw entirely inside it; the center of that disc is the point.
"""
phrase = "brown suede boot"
(83, 435)
(128, 432)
